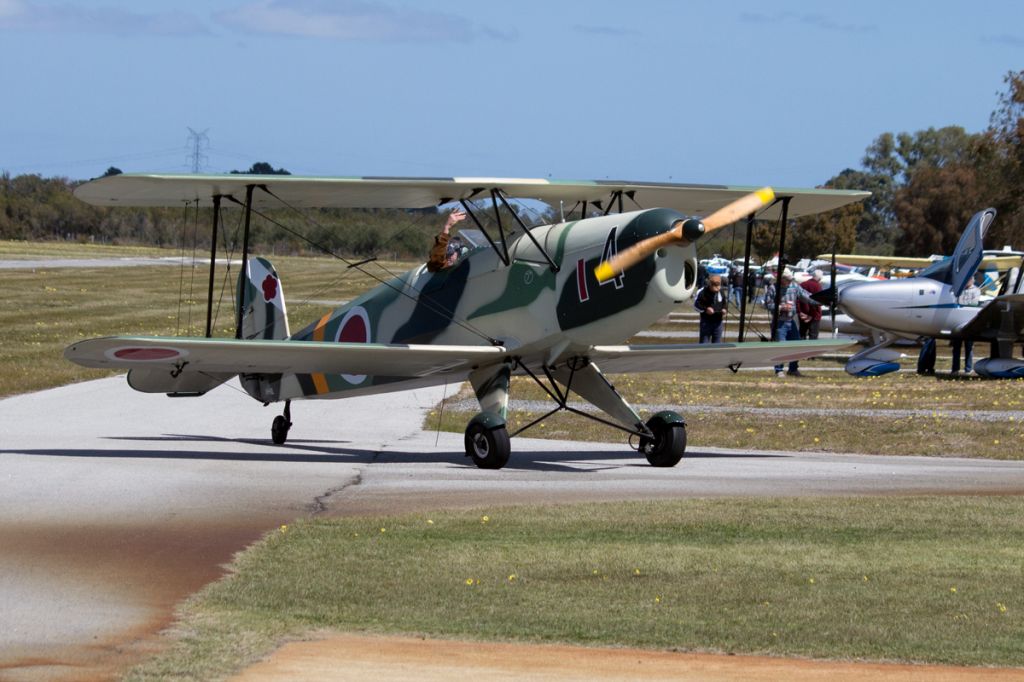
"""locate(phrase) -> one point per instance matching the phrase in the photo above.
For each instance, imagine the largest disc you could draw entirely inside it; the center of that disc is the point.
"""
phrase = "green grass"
(931, 579)
(11, 249)
(45, 310)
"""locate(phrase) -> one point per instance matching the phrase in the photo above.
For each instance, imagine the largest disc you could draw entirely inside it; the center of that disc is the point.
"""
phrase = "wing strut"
(213, 265)
(503, 252)
(780, 267)
(746, 276)
(526, 230)
(245, 242)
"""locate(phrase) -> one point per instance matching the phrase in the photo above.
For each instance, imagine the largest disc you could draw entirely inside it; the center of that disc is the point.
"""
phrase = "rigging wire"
(195, 247)
(229, 249)
(181, 271)
(440, 413)
(757, 328)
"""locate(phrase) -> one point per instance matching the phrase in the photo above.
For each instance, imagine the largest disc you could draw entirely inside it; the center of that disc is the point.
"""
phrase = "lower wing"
(618, 359)
(235, 356)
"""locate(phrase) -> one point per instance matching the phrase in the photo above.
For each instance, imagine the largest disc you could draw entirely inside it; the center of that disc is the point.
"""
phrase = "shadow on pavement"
(320, 452)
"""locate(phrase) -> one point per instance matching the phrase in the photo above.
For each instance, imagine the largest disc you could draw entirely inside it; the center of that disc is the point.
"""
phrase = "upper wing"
(375, 192)
(987, 263)
(234, 356)
(878, 261)
(988, 323)
(618, 359)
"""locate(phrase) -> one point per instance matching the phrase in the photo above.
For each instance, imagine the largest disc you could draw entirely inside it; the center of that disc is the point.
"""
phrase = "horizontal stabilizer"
(175, 383)
(655, 358)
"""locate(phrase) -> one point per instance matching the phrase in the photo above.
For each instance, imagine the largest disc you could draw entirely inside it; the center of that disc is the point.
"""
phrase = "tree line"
(37, 208)
(925, 187)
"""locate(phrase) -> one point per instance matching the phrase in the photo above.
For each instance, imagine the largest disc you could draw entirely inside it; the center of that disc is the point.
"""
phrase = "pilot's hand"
(458, 215)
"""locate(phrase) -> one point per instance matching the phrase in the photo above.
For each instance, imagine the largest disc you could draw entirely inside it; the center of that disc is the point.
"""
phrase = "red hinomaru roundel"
(144, 354)
(269, 288)
(354, 328)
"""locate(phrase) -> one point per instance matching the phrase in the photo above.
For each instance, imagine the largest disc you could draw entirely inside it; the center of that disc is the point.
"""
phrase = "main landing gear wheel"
(667, 446)
(282, 423)
(488, 446)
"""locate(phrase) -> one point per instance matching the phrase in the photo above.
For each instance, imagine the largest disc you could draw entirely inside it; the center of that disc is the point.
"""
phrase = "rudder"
(260, 305)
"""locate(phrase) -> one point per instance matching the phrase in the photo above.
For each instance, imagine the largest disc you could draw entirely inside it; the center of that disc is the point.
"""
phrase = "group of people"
(799, 314)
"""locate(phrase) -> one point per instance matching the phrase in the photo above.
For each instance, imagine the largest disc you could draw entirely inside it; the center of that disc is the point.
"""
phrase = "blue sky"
(784, 93)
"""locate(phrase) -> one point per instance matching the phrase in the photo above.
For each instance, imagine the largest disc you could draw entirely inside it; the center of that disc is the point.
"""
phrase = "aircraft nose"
(867, 302)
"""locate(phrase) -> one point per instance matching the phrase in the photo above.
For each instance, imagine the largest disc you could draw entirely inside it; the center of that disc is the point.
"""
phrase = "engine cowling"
(1000, 368)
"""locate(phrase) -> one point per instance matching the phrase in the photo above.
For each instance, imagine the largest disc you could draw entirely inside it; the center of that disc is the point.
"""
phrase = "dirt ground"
(388, 659)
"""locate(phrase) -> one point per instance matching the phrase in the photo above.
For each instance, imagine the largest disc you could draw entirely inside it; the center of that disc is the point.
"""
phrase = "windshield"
(474, 238)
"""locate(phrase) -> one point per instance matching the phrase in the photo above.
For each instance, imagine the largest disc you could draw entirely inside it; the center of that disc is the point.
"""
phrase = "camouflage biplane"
(524, 301)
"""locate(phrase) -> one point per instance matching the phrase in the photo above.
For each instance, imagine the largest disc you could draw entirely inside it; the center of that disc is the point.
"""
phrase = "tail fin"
(968, 253)
(261, 313)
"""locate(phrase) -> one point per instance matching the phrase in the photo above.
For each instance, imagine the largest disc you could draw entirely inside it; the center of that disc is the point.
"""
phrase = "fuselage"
(912, 307)
(528, 307)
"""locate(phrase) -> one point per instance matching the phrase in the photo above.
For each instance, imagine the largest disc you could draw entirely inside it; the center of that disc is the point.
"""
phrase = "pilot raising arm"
(440, 257)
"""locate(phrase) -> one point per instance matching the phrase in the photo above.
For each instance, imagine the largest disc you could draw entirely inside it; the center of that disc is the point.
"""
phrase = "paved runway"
(116, 505)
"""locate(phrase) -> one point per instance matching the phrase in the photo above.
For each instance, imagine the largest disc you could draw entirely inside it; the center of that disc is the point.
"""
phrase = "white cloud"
(815, 20)
(65, 17)
(10, 8)
(352, 20)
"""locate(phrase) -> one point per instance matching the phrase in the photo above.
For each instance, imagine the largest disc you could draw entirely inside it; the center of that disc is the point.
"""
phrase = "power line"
(199, 144)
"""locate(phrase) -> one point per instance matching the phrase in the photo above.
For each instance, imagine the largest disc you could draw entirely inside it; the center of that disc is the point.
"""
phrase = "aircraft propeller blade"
(684, 231)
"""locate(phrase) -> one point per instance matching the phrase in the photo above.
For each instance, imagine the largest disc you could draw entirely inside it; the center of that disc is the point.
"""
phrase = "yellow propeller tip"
(766, 194)
(604, 272)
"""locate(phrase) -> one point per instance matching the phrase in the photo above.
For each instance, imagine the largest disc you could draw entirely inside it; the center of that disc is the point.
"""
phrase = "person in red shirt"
(810, 315)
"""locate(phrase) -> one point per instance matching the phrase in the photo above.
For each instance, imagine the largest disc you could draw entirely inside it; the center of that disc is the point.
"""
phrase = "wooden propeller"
(684, 231)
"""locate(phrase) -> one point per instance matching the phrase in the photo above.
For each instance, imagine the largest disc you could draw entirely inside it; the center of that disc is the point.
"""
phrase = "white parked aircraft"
(927, 306)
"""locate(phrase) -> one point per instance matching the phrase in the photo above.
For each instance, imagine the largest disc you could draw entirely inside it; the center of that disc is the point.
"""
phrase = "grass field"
(45, 310)
(909, 579)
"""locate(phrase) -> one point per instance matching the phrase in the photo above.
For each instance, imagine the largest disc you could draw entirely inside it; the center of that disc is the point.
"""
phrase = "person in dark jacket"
(712, 305)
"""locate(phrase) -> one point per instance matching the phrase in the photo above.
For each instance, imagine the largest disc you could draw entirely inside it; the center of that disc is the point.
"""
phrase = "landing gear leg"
(279, 429)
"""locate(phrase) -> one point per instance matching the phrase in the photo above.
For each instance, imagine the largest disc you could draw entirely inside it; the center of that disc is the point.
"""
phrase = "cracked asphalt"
(117, 505)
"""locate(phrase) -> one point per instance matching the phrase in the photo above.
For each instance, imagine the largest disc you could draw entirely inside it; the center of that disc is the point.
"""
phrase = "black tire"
(279, 430)
(667, 446)
(489, 448)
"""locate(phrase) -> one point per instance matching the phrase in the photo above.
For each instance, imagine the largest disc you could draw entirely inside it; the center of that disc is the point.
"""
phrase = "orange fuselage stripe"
(319, 380)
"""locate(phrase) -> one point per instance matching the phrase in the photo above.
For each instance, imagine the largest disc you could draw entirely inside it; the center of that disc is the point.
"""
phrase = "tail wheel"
(488, 447)
(668, 443)
(279, 430)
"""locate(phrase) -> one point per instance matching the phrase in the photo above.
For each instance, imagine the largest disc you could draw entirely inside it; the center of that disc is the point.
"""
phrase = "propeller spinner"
(684, 231)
